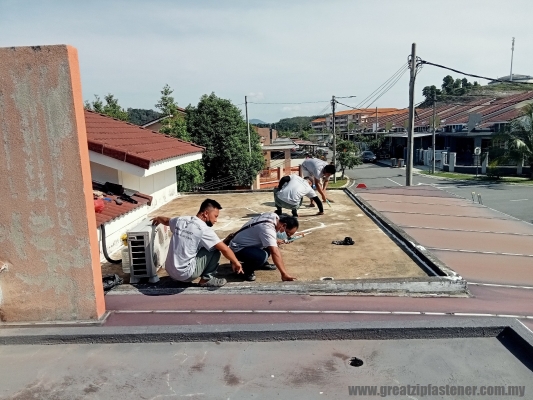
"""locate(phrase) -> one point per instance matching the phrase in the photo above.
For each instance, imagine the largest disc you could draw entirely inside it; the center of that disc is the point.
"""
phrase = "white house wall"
(115, 228)
(102, 173)
(162, 186)
(155, 167)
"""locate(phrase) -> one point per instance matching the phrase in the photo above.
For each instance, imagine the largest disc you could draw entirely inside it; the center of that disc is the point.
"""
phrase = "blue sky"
(273, 51)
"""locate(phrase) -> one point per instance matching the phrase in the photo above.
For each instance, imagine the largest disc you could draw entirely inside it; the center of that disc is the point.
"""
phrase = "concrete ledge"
(430, 286)
(383, 330)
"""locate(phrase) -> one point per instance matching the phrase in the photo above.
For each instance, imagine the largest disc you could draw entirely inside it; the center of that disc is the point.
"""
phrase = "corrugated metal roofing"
(131, 143)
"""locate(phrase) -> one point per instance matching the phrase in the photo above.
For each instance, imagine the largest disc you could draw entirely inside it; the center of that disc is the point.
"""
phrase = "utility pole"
(434, 128)
(410, 132)
(334, 139)
(411, 126)
(247, 124)
(376, 124)
(512, 53)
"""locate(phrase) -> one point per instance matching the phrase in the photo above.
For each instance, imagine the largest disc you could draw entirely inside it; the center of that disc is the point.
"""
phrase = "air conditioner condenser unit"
(148, 248)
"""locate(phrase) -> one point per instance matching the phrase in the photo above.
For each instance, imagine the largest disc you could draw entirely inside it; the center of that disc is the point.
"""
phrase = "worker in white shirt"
(257, 240)
(194, 249)
(319, 171)
(291, 191)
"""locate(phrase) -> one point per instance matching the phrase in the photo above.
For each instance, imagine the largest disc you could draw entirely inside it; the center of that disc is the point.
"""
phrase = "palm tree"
(518, 138)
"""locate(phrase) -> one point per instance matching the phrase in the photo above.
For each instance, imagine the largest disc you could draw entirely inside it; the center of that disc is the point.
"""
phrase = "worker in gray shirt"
(257, 240)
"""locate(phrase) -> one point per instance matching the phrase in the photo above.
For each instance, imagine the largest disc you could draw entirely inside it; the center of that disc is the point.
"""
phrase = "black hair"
(291, 222)
(330, 169)
(209, 203)
(309, 179)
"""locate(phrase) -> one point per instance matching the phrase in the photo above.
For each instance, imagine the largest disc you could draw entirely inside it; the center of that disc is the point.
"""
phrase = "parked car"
(322, 152)
(368, 156)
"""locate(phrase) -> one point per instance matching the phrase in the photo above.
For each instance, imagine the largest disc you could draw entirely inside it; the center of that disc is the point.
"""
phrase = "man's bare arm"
(230, 255)
(160, 220)
(278, 261)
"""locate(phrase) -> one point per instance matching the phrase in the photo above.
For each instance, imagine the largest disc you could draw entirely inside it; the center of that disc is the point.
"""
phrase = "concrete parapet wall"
(48, 238)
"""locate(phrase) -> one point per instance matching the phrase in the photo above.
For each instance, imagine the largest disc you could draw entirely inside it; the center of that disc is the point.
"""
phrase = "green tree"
(219, 126)
(305, 134)
(166, 103)
(518, 139)
(191, 174)
(348, 155)
(429, 92)
(111, 107)
(96, 105)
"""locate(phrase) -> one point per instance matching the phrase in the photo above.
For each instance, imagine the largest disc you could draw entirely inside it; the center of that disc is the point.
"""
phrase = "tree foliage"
(371, 142)
(111, 107)
(517, 140)
(141, 116)
(449, 87)
(348, 155)
(219, 126)
(192, 173)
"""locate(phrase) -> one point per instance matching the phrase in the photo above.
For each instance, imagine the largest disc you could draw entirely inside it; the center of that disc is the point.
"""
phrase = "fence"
(269, 178)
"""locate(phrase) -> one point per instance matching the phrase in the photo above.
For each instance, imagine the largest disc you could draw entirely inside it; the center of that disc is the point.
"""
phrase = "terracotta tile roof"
(112, 210)
(131, 143)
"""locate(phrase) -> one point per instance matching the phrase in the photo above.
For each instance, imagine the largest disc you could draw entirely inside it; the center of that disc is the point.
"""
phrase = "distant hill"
(295, 124)
(140, 116)
(255, 121)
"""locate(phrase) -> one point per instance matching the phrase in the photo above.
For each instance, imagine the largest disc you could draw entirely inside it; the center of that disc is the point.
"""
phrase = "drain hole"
(356, 362)
(326, 278)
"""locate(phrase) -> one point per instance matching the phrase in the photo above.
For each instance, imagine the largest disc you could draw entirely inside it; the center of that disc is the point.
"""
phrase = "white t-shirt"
(189, 235)
(293, 191)
(314, 167)
(261, 235)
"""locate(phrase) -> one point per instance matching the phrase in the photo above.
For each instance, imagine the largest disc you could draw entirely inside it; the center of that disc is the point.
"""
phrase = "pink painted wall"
(48, 239)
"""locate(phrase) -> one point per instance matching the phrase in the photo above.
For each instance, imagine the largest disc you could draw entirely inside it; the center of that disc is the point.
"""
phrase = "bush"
(493, 171)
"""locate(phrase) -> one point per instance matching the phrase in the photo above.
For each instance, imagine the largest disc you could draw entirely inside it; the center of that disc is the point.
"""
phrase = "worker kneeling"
(194, 249)
(257, 240)
(290, 194)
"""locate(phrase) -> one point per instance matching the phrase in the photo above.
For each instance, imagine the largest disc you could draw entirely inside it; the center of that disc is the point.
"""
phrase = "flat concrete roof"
(374, 255)
(291, 361)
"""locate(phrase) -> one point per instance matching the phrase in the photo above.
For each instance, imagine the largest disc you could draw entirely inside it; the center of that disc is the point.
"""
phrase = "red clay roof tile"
(131, 143)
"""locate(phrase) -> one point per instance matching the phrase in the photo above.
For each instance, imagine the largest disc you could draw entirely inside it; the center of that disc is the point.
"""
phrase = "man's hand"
(237, 268)
(287, 278)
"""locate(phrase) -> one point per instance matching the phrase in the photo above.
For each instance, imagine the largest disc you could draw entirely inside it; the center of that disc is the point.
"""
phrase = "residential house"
(139, 160)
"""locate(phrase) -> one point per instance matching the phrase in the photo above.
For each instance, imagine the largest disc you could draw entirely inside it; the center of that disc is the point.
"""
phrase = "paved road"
(514, 200)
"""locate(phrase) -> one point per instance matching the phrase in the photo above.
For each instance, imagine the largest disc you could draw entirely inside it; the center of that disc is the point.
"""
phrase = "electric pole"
(376, 137)
(247, 124)
(434, 128)
(411, 126)
(334, 139)
(512, 53)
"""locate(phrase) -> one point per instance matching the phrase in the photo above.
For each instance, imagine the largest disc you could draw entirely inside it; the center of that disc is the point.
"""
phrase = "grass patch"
(338, 184)
(480, 178)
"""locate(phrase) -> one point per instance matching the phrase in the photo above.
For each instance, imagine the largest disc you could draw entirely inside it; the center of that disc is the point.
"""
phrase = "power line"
(420, 61)
(301, 102)
(399, 71)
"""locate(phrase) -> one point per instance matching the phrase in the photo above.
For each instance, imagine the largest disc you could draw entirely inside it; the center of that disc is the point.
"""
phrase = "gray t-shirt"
(293, 191)
(261, 235)
(189, 235)
(314, 167)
